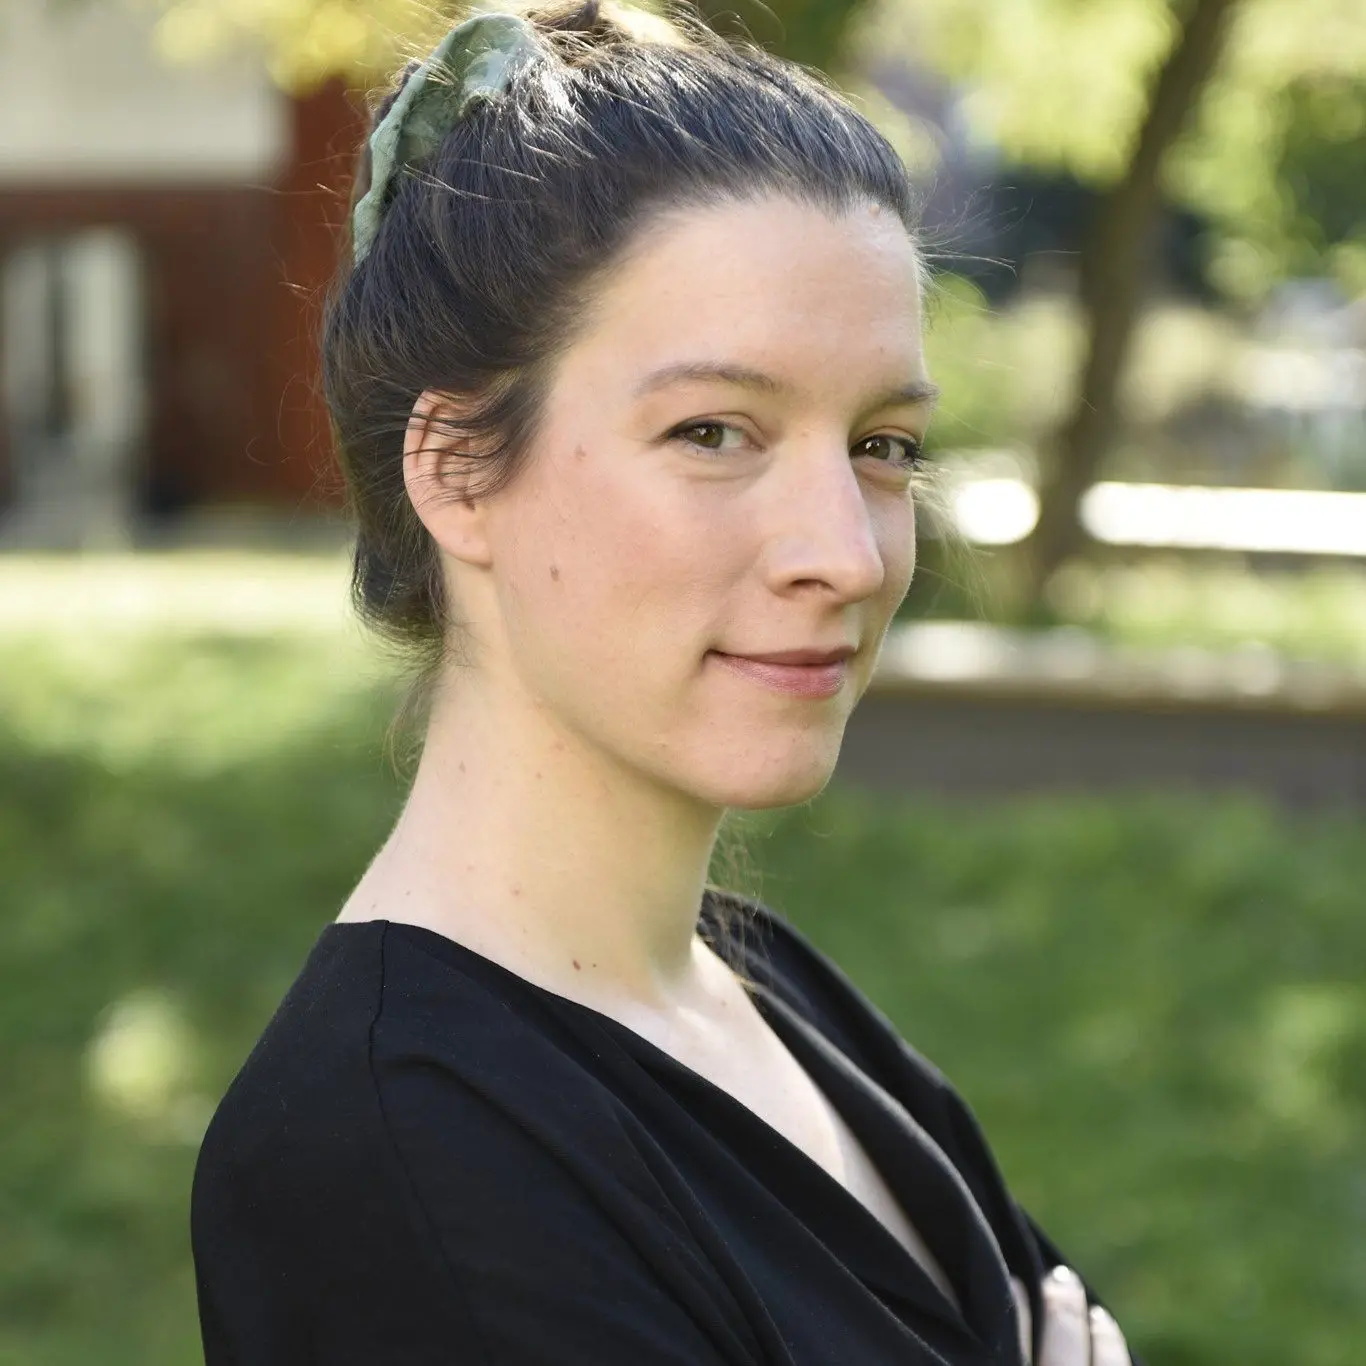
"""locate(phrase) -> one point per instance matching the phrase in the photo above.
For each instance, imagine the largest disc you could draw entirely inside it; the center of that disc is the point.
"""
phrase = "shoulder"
(306, 1074)
(405, 1151)
(298, 1205)
(378, 1041)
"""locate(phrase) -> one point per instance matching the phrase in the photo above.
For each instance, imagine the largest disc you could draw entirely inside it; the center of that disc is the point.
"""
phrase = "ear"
(436, 482)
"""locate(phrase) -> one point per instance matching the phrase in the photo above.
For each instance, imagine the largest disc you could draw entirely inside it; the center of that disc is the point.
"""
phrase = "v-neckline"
(883, 1260)
(964, 1246)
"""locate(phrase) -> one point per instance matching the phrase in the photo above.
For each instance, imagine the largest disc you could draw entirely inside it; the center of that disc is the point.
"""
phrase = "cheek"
(620, 559)
(896, 536)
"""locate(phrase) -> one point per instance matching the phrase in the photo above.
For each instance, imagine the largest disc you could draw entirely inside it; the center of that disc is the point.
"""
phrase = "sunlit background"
(1097, 841)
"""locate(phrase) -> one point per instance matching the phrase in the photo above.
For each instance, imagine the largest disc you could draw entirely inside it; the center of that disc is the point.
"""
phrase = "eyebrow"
(724, 372)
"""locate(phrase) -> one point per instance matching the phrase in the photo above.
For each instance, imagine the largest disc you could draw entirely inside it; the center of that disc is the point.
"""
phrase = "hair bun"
(571, 16)
(587, 24)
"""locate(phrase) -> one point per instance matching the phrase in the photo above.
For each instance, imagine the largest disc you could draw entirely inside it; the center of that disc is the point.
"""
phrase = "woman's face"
(717, 471)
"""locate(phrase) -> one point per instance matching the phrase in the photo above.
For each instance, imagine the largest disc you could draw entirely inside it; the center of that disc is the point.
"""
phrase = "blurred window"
(72, 316)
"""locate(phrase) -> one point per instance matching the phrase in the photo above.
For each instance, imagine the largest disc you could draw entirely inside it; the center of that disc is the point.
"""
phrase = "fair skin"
(575, 774)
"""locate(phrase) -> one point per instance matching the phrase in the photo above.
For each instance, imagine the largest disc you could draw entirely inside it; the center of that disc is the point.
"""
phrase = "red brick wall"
(311, 208)
(234, 283)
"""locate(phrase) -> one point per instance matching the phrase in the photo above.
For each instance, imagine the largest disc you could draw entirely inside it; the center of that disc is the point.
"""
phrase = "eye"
(902, 451)
(708, 436)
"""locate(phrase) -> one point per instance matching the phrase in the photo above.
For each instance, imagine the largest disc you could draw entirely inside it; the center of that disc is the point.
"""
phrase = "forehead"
(773, 280)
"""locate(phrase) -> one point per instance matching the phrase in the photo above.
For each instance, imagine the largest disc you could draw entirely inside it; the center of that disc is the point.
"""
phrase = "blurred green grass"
(1156, 1007)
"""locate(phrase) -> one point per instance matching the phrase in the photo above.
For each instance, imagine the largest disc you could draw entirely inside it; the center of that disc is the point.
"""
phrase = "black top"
(428, 1160)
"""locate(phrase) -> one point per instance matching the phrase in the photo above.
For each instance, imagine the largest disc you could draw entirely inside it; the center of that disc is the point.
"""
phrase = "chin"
(767, 786)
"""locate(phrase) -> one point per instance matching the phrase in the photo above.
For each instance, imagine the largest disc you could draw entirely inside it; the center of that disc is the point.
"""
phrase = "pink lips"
(800, 680)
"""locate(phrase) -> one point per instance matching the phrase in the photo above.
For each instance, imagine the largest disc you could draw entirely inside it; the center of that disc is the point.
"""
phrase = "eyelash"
(913, 460)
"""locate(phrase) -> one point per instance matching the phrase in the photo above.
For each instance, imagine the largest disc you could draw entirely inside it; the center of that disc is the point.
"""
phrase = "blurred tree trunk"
(1113, 274)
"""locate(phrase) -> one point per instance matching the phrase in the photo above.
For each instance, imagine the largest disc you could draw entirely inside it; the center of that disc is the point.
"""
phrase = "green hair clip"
(474, 61)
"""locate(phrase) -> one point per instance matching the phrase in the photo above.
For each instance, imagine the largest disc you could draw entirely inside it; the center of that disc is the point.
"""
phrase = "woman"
(628, 386)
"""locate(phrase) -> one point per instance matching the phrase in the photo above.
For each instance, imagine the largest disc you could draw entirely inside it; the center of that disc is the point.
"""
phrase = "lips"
(822, 679)
(831, 656)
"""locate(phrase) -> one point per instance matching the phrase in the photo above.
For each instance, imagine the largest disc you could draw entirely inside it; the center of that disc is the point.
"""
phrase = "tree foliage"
(308, 41)
(1250, 112)
(1272, 155)
(303, 42)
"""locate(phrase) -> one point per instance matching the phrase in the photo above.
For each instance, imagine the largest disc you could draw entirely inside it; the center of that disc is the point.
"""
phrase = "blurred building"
(164, 233)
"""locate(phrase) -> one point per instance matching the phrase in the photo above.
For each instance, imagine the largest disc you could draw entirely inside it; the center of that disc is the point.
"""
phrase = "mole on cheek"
(554, 571)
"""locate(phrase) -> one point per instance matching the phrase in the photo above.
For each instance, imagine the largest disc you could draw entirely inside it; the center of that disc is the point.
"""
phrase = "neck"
(523, 841)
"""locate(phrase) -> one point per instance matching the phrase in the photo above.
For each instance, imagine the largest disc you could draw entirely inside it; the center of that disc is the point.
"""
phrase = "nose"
(825, 522)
